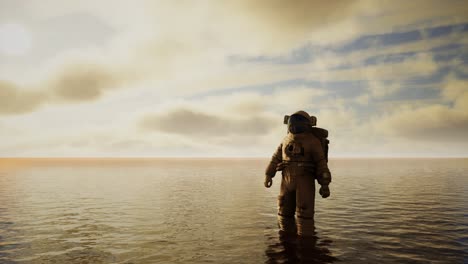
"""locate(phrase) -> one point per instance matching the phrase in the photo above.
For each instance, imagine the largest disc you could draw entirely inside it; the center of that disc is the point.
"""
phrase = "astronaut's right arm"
(272, 166)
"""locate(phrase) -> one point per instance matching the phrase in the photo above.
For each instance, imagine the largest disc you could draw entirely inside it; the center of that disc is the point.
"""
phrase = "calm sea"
(217, 211)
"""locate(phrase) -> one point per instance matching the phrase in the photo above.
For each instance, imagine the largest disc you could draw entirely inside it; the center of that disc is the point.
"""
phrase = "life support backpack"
(322, 135)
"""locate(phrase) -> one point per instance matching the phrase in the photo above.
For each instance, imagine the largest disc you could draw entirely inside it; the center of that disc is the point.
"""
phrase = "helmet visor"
(298, 124)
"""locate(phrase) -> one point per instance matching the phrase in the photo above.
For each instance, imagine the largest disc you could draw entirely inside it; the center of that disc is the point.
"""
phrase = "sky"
(215, 78)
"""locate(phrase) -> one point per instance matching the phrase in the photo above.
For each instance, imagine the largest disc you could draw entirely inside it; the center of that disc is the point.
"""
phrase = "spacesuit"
(301, 158)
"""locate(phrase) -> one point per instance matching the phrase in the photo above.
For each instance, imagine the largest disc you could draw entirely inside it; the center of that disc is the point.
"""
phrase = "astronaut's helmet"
(300, 122)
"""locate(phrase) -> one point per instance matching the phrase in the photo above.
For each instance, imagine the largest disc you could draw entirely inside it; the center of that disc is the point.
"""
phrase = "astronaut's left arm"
(322, 172)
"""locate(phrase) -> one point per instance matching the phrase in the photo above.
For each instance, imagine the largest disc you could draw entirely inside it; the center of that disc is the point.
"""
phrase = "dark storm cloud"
(191, 123)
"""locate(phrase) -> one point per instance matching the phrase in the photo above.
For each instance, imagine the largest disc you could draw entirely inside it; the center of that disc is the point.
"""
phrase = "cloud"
(421, 64)
(191, 123)
(13, 100)
(163, 51)
(274, 25)
(282, 99)
(300, 15)
(285, 24)
(441, 122)
(434, 122)
(380, 89)
(394, 16)
(454, 88)
(187, 96)
(83, 82)
(241, 123)
(74, 83)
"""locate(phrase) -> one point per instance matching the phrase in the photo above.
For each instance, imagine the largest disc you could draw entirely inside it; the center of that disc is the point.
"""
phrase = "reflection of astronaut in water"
(302, 158)
(304, 250)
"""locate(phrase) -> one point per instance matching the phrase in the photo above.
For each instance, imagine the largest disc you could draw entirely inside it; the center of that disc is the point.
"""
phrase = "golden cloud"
(13, 100)
(82, 82)
(442, 122)
(192, 123)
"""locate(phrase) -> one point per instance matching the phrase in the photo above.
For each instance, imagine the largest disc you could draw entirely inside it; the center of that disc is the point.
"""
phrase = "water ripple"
(205, 211)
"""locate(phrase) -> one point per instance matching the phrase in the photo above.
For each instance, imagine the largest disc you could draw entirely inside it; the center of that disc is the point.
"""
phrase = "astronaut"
(302, 158)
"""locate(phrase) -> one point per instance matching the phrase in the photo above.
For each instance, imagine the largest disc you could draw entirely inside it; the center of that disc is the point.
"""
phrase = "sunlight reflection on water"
(202, 211)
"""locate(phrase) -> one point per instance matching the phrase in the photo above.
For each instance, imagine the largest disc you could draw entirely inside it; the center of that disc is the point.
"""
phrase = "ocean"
(218, 211)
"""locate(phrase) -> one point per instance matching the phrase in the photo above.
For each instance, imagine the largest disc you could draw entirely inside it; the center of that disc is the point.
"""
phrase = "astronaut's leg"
(305, 203)
(286, 208)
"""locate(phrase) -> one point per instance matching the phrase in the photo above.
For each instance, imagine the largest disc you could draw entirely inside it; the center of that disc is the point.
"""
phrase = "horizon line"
(232, 157)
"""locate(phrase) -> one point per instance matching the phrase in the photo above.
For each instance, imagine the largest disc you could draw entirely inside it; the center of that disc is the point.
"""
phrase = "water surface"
(217, 211)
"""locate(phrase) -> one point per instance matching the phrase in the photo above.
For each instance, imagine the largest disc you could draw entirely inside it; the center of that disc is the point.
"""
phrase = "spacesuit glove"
(268, 181)
(324, 191)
